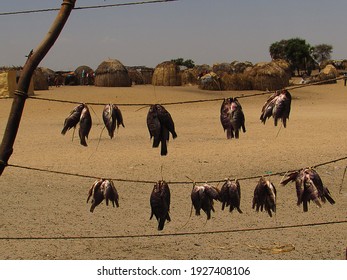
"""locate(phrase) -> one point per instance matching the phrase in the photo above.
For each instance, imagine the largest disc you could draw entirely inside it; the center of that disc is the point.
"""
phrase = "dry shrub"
(166, 73)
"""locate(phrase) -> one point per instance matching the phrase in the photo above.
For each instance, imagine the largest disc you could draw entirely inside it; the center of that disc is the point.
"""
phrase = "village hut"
(112, 73)
(272, 75)
(210, 81)
(147, 75)
(40, 80)
(189, 77)
(84, 75)
(166, 73)
(135, 76)
(240, 67)
(9, 81)
(49, 74)
(236, 81)
(222, 68)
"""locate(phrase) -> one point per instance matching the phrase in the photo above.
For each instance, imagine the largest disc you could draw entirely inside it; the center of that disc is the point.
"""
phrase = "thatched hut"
(147, 74)
(327, 76)
(112, 73)
(222, 68)
(40, 80)
(210, 81)
(240, 67)
(236, 81)
(189, 77)
(166, 73)
(135, 76)
(269, 75)
(84, 75)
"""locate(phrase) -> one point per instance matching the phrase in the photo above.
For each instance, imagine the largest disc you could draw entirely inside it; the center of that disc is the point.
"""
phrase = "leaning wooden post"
(21, 94)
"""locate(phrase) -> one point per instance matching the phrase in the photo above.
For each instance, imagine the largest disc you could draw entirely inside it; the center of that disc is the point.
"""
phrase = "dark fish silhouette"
(85, 125)
(230, 195)
(160, 125)
(277, 106)
(110, 192)
(112, 118)
(160, 203)
(265, 196)
(202, 198)
(72, 120)
(232, 117)
(100, 190)
(96, 193)
(309, 186)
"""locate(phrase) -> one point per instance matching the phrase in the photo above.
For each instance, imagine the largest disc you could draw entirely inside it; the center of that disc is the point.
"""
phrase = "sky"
(206, 31)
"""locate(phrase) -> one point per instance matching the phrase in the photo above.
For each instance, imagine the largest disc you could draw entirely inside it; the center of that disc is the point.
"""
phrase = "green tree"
(322, 52)
(277, 50)
(296, 51)
(181, 62)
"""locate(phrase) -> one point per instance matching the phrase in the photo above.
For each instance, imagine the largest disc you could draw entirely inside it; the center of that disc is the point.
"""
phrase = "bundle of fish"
(160, 123)
(80, 114)
(277, 106)
(202, 198)
(309, 186)
(232, 117)
(112, 118)
(230, 195)
(264, 196)
(160, 203)
(100, 190)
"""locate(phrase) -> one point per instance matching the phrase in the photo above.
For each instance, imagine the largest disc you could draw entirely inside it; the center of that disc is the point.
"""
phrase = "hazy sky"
(206, 31)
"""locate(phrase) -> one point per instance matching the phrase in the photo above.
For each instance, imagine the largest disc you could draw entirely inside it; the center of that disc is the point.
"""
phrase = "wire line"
(169, 182)
(172, 234)
(87, 7)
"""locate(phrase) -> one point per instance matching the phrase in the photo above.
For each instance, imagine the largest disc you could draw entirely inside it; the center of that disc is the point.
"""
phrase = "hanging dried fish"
(112, 118)
(309, 186)
(160, 203)
(264, 196)
(100, 190)
(72, 120)
(160, 124)
(96, 193)
(230, 195)
(277, 106)
(232, 117)
(110, 192)
(85, 125)
(202, 198)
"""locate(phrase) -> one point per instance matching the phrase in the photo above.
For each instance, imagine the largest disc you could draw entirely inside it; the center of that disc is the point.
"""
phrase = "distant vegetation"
(181, 62)
(300, 55)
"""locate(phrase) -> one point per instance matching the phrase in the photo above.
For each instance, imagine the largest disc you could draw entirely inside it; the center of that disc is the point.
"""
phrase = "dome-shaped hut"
(272, 75)
(40, 80)
(84, 75)
(112, 73)
(166, 73)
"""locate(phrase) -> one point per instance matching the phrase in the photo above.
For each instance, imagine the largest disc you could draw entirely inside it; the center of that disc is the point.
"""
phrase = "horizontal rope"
(86, 7)
(169, 182)
(172, 234)
(183, 102)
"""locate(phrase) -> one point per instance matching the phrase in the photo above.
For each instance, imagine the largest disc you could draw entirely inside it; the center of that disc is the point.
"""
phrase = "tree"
(277, 50)
(296, 51)
(181, 62)
(322, 52)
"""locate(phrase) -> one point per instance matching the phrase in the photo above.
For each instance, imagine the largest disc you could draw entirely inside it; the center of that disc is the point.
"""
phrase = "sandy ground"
(45, 215)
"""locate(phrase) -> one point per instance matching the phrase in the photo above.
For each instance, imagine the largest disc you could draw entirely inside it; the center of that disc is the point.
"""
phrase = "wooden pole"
(21, 94)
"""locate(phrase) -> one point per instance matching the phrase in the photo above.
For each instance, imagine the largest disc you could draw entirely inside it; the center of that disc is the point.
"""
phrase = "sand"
(45, 215)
